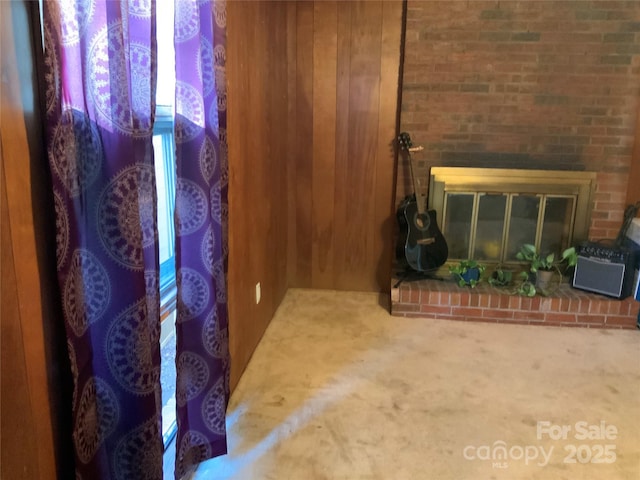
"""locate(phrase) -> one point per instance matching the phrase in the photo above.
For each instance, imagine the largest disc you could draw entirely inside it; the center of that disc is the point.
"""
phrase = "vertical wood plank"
(304, 150)
(292, 135)
(387, 129)
(18, 426)
(343, 87)
(324, 141)
(238, 87)
(363, 142)
(257, 91)
(25, 195)
(279, 123)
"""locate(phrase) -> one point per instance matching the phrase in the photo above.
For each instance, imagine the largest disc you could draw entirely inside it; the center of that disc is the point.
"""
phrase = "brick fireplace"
(533, 85)
(511, 84)
(567, 307)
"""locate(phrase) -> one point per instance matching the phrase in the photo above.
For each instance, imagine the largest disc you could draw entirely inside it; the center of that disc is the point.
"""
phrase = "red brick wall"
(525, 84)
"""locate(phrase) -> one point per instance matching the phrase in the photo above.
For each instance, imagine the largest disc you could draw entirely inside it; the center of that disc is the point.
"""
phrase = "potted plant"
(525, 285)
(543, 267)
(501, 277)
(467, 272)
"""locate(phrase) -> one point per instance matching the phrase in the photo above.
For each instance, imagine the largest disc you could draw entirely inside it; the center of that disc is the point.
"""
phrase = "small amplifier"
(608, 270)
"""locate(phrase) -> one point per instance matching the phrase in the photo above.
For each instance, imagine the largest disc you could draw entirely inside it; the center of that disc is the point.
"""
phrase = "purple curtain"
(202, 360)
(100, 80)
(100, 87)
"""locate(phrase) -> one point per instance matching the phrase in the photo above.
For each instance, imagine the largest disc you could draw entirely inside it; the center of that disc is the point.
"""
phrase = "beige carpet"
(339, 389)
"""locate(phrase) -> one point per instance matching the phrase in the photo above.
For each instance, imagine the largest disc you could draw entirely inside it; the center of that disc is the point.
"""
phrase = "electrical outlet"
(258, 293)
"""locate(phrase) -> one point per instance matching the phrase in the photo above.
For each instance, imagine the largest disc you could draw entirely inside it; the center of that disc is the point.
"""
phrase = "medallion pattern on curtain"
(100, 77)
(100, 80)
(202, 361)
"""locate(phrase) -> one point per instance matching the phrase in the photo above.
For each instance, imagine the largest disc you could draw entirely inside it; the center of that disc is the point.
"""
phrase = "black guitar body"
(421, 245)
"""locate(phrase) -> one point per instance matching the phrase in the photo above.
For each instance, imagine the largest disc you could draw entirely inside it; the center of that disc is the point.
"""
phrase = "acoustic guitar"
(421, 245)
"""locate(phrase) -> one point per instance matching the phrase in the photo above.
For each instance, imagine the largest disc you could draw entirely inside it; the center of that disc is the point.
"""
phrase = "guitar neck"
(417, 190)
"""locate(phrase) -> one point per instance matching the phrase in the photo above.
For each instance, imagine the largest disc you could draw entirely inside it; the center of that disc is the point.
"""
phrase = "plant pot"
(467, 272)
(471, 274)
(544, 279)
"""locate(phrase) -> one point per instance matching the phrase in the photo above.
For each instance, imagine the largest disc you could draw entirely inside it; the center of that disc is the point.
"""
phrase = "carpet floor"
(339, 389)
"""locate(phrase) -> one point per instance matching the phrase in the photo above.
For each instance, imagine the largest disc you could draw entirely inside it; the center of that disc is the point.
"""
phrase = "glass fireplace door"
(491, 227)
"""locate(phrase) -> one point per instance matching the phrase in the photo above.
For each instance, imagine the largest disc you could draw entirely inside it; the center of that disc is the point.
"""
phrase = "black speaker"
(607, 270)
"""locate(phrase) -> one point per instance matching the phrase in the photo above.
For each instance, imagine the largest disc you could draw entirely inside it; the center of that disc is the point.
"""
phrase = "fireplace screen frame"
(577, 185)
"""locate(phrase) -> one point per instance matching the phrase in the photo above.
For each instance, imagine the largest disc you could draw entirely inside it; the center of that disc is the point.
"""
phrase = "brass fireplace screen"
(488, 213)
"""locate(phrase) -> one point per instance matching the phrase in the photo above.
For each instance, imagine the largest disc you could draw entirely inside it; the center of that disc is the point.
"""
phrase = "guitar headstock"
(404, 140)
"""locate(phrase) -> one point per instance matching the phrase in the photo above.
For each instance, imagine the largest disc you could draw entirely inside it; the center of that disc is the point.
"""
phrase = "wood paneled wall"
(258, 199)
(343, 89)
(312, 97)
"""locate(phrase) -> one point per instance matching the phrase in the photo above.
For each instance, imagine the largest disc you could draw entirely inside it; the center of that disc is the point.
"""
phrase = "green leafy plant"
(501, 277)
(538, 261)
(525, 286)
(467, 272)
(529, 286)
(570, 257)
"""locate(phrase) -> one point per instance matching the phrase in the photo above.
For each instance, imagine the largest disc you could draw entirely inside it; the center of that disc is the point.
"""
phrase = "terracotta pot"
(544, 279)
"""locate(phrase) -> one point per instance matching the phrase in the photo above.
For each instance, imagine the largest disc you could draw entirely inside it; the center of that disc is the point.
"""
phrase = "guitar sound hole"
(422, 222)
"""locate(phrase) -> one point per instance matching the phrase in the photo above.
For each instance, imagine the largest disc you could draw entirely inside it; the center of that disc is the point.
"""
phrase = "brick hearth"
(567, 306)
